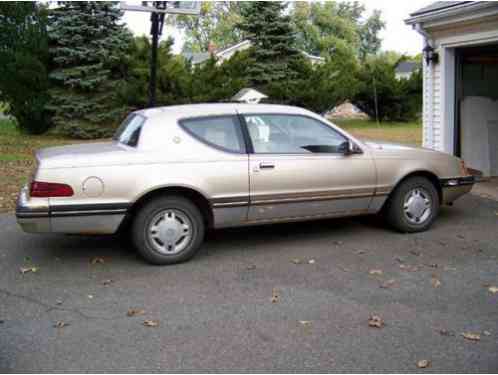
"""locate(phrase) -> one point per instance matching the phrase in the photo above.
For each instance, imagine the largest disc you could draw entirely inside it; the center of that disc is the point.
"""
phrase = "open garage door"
(476, 133)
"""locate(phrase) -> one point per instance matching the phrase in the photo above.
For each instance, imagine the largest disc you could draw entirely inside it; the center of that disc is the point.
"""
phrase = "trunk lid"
(81, 155)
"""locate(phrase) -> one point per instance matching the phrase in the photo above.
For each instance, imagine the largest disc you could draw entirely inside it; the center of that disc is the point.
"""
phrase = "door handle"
(266, 165)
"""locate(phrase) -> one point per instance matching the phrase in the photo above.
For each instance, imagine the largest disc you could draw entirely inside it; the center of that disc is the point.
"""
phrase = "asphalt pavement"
(291, 297)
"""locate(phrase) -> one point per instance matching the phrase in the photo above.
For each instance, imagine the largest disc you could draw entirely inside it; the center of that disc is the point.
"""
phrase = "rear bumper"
(454, 188)
(37, 216)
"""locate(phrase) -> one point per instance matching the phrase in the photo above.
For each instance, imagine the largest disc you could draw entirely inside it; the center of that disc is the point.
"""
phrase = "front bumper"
(454, 188)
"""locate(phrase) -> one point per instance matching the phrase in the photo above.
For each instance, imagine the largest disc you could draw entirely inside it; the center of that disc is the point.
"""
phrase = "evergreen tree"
(87, 45)
(23, 57)
(273, 54)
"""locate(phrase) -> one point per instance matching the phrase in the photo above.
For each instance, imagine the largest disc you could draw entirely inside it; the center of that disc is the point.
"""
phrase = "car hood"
(398, 150)
(85, 154)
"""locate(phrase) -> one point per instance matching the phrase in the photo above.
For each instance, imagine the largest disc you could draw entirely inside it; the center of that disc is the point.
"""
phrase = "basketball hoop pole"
(157, 22)
(157, 12)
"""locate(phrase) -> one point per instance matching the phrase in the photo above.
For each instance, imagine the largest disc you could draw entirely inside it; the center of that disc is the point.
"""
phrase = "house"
(249, 95)
(226, 53)
(405, 69)
(460, 72)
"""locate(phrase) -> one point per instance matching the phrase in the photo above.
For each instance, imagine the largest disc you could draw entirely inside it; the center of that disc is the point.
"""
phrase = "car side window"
(220, 131)
(292, 134)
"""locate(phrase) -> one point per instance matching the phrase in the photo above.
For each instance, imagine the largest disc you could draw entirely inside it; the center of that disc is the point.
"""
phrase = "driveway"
(216, 312)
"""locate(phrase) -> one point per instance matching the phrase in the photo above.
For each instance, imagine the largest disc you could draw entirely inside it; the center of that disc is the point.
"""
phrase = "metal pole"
(153, 58)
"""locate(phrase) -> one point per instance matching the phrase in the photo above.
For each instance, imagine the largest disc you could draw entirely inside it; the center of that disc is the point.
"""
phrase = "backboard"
(170, 7)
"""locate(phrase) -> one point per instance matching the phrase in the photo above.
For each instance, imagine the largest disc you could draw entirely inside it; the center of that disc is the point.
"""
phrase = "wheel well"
(194, 196)
(430, 176)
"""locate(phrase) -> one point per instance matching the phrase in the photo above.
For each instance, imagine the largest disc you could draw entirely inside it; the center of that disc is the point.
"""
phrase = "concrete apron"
(487, 188)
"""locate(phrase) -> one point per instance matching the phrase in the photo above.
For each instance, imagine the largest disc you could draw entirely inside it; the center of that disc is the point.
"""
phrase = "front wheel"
(168, 230)
(413, 206)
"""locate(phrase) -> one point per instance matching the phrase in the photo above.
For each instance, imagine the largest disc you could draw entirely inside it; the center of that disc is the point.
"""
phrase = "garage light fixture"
(430, 55)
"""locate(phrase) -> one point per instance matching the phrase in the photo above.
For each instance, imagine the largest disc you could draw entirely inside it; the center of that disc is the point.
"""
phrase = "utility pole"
(157, 10)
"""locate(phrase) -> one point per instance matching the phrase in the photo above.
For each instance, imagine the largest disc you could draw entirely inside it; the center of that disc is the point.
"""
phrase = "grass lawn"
(16, 149)
(397, 132)
(16, 159)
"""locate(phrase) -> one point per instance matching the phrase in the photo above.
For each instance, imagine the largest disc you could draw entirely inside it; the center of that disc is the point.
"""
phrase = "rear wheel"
(168, 230)
(413, 206)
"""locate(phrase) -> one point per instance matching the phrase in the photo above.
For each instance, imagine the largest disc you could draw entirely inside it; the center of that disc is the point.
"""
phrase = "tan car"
(171, 173)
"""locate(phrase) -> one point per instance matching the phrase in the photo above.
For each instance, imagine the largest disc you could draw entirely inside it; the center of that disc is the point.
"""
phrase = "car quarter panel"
(221, 177)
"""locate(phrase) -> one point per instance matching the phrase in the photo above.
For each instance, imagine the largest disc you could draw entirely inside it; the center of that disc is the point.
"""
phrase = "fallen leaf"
(60, 324)
(408, 268)
(493, 289)
(151, 323)
(97, 260)
(423, 363)
(486, 333)
(435, 282)
(274, 296)
(296, 261)
(445, 332)
(311, 261)
(107, 282)
(415, 252)
(375, 321)
(305, 323)
(135, 312)
(375, 272)
(471, 336)
(24, 270)
(387, 284)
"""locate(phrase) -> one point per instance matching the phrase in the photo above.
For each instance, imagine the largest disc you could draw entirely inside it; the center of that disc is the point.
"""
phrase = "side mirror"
(349, 148)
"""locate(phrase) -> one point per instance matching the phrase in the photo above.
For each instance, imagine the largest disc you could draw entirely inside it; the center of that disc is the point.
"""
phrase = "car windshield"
(128, 132)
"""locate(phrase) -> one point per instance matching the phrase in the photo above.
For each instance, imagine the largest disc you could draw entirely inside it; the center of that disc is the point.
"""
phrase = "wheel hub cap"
(417, 206)
(170, 231)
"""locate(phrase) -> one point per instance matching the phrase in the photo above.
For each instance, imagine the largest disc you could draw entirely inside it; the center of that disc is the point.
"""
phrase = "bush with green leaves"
(23, 59)
(381, 95)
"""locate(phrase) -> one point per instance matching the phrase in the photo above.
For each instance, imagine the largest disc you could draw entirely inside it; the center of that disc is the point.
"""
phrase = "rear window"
(128, 132)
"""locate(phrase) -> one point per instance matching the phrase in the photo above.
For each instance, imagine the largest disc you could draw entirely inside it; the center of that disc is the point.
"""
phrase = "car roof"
(212, 109)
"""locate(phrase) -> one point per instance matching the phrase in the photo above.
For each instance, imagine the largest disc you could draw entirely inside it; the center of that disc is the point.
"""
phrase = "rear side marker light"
(50, 189)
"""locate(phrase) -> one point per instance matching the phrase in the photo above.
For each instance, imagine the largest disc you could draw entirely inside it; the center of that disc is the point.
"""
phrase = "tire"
(407, 215)
(160, 234)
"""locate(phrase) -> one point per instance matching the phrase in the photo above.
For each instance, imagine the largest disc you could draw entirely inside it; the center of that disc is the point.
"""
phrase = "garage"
(460, 113)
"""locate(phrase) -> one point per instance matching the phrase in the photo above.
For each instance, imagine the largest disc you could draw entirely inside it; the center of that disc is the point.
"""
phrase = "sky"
(396, 36)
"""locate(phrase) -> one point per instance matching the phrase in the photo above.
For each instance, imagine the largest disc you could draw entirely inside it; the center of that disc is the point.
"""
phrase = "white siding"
(432, 135)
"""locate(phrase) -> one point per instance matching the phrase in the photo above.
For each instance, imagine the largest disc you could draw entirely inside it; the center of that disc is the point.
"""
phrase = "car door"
(298, 169)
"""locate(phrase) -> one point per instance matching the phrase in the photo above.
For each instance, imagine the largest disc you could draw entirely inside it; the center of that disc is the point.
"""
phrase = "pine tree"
(87, 45)
(273, 39)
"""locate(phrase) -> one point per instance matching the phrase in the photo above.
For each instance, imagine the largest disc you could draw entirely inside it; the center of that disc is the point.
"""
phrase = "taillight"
(50, 189)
